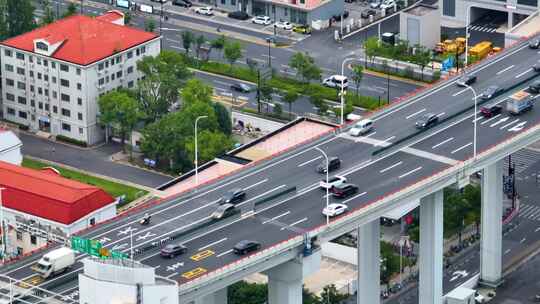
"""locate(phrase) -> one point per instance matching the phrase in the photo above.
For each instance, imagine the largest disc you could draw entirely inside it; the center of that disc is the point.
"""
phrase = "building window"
(233, 2)
(45, 77)
(46, 107)
(53, 64)
(53, 79)
(19, 235)
(143, 49)
(8, 53)
(64, 67)
(55, 109)
(130, 84)
(66, 127)
(129, 54)
(22, 114)
(45, 62)
(64, 82)
(130, 70)
(40, 105)
(118, 59)
(137, 52)
(32, 103)
(20, 56)
(66, 112)
(112, 77)
(79, 116)
(79, 101)
(33, 239)
(47, 92)
(38, 61)
(119, 74)
(64, 97)
(78, 71)
(21, 85)
(285, 11)
(11, 111)
(100, 66)
(21, 100)
(54, 94)
(10, 97)
(449, 8)
(92, 220)
(40, 91)
(223, 2)
(42, 46)
(20, 71)
(10, 82)
(32, 88)
(38, 75)
(31, 73)
(101, 81)
(107, 79)
(8, 67)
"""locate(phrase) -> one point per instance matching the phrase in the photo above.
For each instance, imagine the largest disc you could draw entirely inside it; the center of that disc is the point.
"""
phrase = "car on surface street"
(302, 29)
(205, 10)
(284, 25)
(361, 127)
(491, 110)
(334, 209)
(238, 15)
(184, 3)
(240, 87)
(232, 196)
(246, 246)
(172, 250)
(387, 5)
(466, 80)
(534, 44)
(344, 190)
(375, 4)
(427, 120)
(332, 182)
(223, 211)
(368, 12)
(333, 164)
(264, 20)
(336, 81)
(490, 92)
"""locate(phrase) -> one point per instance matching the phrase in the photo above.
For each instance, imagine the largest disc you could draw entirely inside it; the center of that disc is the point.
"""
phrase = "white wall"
(340, 253)
(10, 148)
(265, 125)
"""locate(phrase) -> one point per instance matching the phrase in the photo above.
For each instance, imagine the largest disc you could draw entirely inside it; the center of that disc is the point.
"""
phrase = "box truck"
(519, 102)
(54, 262)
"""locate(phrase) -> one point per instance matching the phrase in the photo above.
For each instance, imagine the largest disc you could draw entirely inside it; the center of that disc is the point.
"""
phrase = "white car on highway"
(361, 127)
(205, 10)
(284, 25)
(332, 182)
(334, 209)
(264, 20)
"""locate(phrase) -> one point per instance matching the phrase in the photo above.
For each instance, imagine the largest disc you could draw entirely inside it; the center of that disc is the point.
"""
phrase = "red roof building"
(83, 39)
(49, 196)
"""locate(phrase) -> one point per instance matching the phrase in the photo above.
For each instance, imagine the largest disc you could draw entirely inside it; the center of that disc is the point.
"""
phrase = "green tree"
(71, 10)
(211, 144)
(278, 110)
(422, 57)
(223, 118)
(330, 295)
(199, 42)
(266, 92)
(4, 24)
(371, 47)
(127, 18)
(309, 297)
(48, 13)
(196, 91)
(290, 97)
(120, 110)
(318, 102)
(187, 39)
(19, 17)
(164, 75)
(149, 25)
(232, 52)
(305, 66)
(247, 293)
(357, 75)
(218, 43)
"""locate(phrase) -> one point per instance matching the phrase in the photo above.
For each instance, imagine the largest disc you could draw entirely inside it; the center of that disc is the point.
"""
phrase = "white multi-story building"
(53, 76)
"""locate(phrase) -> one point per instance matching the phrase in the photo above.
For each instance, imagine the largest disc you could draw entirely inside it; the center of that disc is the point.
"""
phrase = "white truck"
(519, 102)
(55, 262)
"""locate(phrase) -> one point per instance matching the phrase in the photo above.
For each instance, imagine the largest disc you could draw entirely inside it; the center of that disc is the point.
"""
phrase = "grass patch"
(113, 188)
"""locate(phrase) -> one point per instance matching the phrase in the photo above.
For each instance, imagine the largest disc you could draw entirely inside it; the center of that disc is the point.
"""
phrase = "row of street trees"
(167, 135)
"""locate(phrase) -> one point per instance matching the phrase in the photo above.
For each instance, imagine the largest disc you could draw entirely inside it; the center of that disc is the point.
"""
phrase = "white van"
(335, 81)
(361, 127)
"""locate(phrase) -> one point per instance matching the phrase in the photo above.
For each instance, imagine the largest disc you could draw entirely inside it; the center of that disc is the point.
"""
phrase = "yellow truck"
(481, 50)
(451, 46)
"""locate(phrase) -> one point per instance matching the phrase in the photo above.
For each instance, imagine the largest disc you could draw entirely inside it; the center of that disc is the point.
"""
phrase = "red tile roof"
(86, 39)
(111, 16)
(49, 196)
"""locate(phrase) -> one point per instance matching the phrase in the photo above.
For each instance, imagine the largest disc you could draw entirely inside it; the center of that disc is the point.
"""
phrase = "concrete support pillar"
(491, 229)
(218, 297)
(510, 20)
(369, 259)
(285, 281)
(431, 249)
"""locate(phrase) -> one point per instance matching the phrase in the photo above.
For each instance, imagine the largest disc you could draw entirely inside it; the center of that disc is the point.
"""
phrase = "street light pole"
(342, 91)
(475, 120)
(197, 151)
(269, 40)
(2, 226)
(327, 188)
(467, 37)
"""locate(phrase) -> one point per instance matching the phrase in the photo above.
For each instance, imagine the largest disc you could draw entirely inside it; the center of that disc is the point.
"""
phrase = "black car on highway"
(240, 87)
(536, 67)
(490, 92)
(534, 44)
(246, 246)
(344, 190)
(466, 80)
(232, 196)
(223, 211)
(535, 87)
(491, 110)
(333, 164)
(184, 3)
(172, 250)
(239, 15)
(427, 120)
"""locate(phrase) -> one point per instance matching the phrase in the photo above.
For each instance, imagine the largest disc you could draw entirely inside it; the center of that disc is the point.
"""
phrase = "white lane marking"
(410, 172)
(507, 251)
(499, 122)
(392, 166)
(441, 114)
(354, 197)
(212, 244)
(224, 253)
(277, 217)
(388, 139)
(478, 119)
(256, 184)
(293, 224)
(370, 134)
(456, 94)
(461, 148)
(537, 229)
(521, 74)
(415, 113)
(492, 118)
(310, 161)
(221, 82)
(509, 124)
(442, 143)
(260, 195)
(522, 240)
(172, 275)
(504, 70)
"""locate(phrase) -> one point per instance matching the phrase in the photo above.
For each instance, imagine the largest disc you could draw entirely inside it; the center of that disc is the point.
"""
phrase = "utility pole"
(258, 91)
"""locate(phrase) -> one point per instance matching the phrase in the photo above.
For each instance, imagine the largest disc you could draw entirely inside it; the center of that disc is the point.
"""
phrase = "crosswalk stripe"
(526, 210)
(534, 214)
